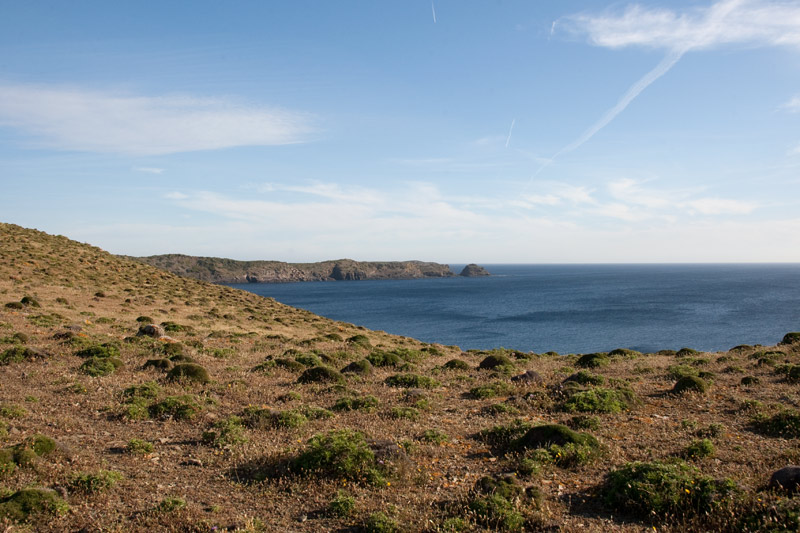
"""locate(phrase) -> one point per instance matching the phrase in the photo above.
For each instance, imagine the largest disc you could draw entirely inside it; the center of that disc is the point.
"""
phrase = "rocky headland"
(219, 270)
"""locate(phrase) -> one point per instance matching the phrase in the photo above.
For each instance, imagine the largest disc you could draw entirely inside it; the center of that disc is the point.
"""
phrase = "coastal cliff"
(219, 270)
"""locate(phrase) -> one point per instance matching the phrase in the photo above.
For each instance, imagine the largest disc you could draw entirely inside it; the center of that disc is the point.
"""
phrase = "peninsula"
(219, 270)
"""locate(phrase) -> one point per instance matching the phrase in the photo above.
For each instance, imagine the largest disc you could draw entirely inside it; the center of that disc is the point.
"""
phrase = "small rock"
(787, 478)
(150, 330)
(529, 376)
(193, 462)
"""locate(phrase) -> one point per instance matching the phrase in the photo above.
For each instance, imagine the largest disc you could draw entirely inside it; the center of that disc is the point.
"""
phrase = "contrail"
(433, 10)
(508, 139)
(661, 69)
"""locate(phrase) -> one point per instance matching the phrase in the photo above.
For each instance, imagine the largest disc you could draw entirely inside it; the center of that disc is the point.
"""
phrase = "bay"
(569, 308)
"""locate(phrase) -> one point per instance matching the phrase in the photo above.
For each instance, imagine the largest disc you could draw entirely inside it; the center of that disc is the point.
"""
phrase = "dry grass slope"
(414, 444)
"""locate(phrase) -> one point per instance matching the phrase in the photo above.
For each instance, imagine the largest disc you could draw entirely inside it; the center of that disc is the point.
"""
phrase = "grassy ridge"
(132, 399)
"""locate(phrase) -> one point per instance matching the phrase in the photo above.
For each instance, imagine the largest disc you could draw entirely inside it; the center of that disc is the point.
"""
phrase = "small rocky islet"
(135, 399)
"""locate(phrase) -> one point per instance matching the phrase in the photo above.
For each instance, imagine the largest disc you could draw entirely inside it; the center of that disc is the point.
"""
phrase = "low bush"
(600, 400)
(100, 366)
(320, 374)
(364, 403)
(784, 424)
(93, 482)
(23, 504)
(690, 384)
(189, 372)
(497, 362)
(456, 364)
(227, 432)
(699, 449)
(661, 488)
(491, 390)
(342, 505)
(362, 367)
(182, 407)
(593, 360)
(411, 381)
(342, 453)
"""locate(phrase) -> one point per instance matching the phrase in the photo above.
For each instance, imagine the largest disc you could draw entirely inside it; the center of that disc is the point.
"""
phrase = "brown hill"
(233, 416)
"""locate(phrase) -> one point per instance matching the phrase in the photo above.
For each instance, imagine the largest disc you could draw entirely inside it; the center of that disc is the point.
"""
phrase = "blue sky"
(453, 131)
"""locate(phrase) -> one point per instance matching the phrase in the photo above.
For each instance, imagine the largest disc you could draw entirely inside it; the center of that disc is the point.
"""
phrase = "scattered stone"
(151, 330)
(787, 478)
(529, 376)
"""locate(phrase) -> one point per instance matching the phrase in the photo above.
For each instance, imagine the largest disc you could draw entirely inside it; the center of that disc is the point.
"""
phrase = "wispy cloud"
(93, 121)
(149, 170)
(751, 22)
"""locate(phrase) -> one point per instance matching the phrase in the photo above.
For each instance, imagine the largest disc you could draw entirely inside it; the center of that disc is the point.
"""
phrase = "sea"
(569, 308)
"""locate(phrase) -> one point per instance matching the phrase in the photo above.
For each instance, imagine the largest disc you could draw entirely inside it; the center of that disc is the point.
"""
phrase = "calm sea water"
(569, 308)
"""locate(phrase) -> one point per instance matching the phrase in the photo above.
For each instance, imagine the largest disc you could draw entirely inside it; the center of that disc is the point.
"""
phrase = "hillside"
(219, 270)
(132, 399)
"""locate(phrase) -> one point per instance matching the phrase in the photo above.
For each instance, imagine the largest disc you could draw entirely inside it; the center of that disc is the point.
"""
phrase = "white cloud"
(750, 22)
(720, 206)
(792, 105)
(149, 170)
(92, 121)
(176, 196)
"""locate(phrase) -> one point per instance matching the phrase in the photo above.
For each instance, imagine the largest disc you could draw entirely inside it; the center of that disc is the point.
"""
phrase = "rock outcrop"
(474, 271)
(219, 270)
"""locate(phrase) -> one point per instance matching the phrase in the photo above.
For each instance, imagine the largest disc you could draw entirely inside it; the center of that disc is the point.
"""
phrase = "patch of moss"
(100, 351)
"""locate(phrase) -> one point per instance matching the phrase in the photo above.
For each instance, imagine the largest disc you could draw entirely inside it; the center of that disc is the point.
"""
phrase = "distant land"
(220, 270)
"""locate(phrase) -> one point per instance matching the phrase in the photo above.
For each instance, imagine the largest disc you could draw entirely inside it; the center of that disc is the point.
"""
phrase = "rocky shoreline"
(220, 270)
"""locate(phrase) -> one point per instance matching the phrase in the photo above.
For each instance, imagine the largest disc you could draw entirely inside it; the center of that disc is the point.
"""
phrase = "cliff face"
(218, 270)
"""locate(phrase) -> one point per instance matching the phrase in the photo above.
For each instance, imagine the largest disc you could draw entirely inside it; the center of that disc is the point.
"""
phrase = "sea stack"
(474, 271)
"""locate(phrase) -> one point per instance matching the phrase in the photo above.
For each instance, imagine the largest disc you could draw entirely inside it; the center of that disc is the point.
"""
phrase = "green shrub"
(434, 436)
(190, 372)
(493, 503)
(227, 432)
(11, 410)
(380, 523)
(456, 364)
(699, 449)
(139, 447)
(99, 350)
(289, 419)
(685, 352)
(100, 366)
(22, 504)
(491, 390)
(599, 400)
(361, 341)
(681, 371)
(750, 381)
(158, 364)
(690, 384)
(342, 505)
(339, 453)
(584, 422)
(585, 378)
(593, 360)
(407, 413)
(148, 389)
(168, 505)
(18, 354)
(545, 435)
(625, 352)
(784, 424)
(382, 358)
(791, 338)
(362, 367)
(662, 488)
(144, 320)
(320, 374)
(172, 327)
(364, 403)
(182, 407)
(308, 359)
(410, 381)
(502, 436)
(94, 482)
(497, 362)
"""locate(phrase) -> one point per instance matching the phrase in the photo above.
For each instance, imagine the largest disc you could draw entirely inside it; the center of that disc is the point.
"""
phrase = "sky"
(453, 131)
